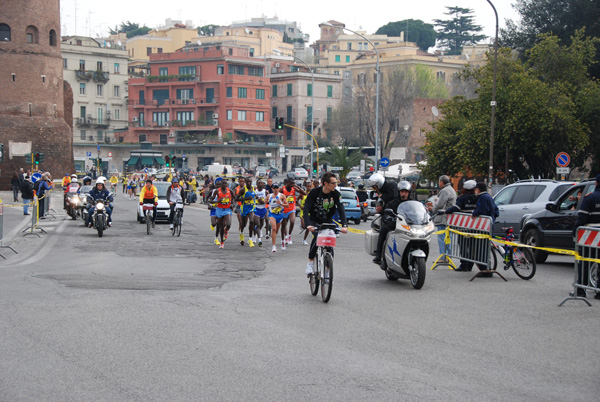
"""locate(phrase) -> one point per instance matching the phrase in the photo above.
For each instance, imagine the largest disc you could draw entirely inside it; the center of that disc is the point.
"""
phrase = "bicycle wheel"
(178, 222)
(327, 279)
(493, 258)
(148, 222)
(523, 263)
(313, 279)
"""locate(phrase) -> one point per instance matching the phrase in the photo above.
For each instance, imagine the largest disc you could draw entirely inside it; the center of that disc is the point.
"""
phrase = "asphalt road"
(131, 317)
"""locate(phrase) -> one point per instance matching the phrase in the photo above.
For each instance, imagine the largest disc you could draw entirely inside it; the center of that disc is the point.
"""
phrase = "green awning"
(160, 160)
(147, 160)
(132, 161)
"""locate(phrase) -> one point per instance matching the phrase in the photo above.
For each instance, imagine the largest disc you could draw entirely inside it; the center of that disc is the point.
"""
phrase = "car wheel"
(532, 238)
(357, 221)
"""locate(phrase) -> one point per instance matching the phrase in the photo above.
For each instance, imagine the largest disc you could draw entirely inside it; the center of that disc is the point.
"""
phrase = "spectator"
(16, 186)
(26, 193)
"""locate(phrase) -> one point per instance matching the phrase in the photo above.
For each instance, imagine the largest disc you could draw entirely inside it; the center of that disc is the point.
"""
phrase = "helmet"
(376, 179)
(73, 176)
(175, 180)
(469, 184)
(100, 180)
(88, 179)
(361, 186)
(404, 185)
(218, 180)
(74, 180)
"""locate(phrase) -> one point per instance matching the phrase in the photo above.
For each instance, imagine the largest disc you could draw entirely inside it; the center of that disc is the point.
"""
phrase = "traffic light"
(167, 160)
(94, 162)
(36, 158)
(315, 167)
(173, 161)
(99, 161)
(279, 123)
(41, 157)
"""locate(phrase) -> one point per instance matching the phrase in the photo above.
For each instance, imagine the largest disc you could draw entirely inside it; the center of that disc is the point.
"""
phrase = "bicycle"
(520, 259)
(148, 215)
(323, 270)
(178, 219)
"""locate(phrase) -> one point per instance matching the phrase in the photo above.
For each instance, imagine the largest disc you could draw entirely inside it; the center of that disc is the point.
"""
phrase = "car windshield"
(348, 194)
(414, 212)
(162, 188)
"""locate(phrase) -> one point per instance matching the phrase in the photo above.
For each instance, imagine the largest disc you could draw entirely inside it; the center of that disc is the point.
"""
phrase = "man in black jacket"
(388, 198)
(26, 193)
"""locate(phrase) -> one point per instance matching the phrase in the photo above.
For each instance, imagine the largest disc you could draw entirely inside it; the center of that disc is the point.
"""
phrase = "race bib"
(277, 210)
(224, 200)
(290, 198)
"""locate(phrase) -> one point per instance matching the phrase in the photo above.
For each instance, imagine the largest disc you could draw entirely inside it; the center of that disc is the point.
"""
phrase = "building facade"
(98, 76)
(34, 111)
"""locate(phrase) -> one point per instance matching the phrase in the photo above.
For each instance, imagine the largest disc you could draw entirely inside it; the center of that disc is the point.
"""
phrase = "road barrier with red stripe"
(587, 263)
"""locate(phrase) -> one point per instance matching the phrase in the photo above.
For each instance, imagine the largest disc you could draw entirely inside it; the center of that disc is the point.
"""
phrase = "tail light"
(366, 204)
(357, 201)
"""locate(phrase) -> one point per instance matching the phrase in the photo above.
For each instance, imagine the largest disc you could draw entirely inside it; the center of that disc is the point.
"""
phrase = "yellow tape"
(352, 230)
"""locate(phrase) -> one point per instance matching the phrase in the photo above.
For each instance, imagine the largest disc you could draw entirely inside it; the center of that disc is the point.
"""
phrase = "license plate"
(346, 204)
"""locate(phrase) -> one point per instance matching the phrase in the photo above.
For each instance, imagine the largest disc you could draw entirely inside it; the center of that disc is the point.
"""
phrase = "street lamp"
(376, 95)
(493, 103)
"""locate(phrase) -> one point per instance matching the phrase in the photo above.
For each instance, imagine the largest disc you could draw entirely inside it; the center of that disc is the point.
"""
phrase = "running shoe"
(283, 244)
(250, 243)
(267, 236)
(212, 227)
(242, 239)
(217, 242)
(289, 240)
(171, 226)
(259, 242)
(274, 249)
(222, 245)
(309, 268)
(304, 242)
(226, 234)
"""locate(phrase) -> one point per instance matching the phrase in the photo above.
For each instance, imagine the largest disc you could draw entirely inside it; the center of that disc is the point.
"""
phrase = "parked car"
(351, 204)
(553, 226)
(298, 173)
(162, 209)
(525, 197)
(353, 175)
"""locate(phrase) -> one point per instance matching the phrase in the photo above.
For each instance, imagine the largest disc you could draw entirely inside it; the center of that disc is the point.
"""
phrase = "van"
(216, 169)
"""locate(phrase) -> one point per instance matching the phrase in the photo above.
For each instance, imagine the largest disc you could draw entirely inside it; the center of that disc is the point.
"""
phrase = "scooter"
(407, 247)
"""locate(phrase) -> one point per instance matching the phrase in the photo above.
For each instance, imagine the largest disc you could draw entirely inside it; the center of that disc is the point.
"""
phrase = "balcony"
(101, 76)
(171, 78)
(84, 75)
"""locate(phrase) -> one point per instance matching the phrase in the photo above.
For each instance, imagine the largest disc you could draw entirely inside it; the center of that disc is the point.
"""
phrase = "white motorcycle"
(406, 248)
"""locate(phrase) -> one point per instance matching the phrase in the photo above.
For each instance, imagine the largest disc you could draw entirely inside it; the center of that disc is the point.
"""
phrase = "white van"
(216, 169)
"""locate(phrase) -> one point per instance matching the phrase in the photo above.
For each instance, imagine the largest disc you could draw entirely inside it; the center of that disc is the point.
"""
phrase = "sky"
(93, 17)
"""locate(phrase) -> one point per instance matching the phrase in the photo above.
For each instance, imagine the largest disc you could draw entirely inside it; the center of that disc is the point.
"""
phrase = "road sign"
(385, 162)
(563, 159)
(36, 176)
(110, 154)
(98, 147)
(183, 156)
(562, 170)
(88, 154)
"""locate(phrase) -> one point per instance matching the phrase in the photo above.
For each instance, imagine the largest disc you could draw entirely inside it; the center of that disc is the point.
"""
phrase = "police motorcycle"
(100, 216)
(83, 192)
(72, 200)
(407, 247)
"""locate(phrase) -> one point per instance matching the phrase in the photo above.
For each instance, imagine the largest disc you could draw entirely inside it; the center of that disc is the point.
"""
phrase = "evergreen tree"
(423, 34)
(458, 31)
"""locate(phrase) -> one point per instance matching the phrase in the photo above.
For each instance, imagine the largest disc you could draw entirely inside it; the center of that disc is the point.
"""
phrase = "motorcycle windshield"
(413, 212)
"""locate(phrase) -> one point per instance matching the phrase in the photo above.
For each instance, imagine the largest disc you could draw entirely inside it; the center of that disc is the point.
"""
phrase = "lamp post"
(493, 102)
(376, 95)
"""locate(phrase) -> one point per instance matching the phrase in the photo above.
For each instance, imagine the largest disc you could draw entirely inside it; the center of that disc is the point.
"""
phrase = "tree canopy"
(207, 30)
(131, 29)
(458, 31)
(545, 105)
(343, 158)
(418, 31)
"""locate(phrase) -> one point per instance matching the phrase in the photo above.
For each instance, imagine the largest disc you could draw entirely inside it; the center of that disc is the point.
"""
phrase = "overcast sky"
(93, 17)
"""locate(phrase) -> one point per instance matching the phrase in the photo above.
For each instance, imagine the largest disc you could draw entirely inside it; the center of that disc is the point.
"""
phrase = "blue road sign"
(385, 162)
(88, 153)
(183, 156)
(563, 159)
(36, 176)
(98, 147)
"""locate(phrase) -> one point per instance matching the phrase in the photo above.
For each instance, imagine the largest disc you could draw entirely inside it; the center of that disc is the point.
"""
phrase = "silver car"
(525, 197)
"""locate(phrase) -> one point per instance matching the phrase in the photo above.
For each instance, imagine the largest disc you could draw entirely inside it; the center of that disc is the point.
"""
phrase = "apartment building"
(98, 78)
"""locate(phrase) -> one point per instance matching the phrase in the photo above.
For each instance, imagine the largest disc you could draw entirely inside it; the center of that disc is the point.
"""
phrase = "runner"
(260, 210)
(238, 208)
(269, 191)
(277, 203)
(223, 211)
(290, 191)
(248, 198)
(212, 206)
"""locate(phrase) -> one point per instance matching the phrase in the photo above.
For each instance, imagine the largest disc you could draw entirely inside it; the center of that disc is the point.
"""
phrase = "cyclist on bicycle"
(174, 195)
(149, 195)
(319, 207)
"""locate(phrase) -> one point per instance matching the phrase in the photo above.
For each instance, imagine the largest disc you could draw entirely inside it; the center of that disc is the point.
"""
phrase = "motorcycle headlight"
(99, 206)
(421, 231)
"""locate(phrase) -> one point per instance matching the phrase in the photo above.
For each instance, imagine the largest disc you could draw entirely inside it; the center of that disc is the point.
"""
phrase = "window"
(308, 89)
(274, 111)
(185, 94)
(349, 45)
(347, 59)
(160, 118)
(230, 115)
(142, 97)
(82, 111)
(289, 89)
(52, 37)
(100, 115)
(81, 88)
(117, 114)
(98, 66)
(117, 68)
(241, 115)
(242, 92)
(260, 116)
(31, 33)
(188, 70)
(260, 94)
(255, 71)
(289, 114)
(99, 89)
(160, 96)
(274, 91)
(99, 135)
(309, 113)
(337, 58)
(148, 51)
(82, 134)
(65, 64)
(236, 70)
(116, 91)
(330, 91)
(82, 65)
(289, 134)
(184, 117)
(347, 75)
(523, 195)
(159, 50)
(4, 33)
(220, 69)
(329, 114)
(141, 119)
(251, 52)
(163, 71)
(504, 196)
(142, 137)
(229, 92)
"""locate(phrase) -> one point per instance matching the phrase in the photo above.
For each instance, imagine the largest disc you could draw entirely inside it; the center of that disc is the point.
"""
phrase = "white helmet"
(100, 180)
(404, 185)
(74, 180)
(469, 184)
(73, 176)
(376, 179)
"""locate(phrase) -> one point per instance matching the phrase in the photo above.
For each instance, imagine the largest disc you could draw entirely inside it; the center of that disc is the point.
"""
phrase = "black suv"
(553, 227)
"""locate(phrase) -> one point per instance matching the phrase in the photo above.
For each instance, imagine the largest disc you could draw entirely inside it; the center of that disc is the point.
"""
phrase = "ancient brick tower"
(33, 111)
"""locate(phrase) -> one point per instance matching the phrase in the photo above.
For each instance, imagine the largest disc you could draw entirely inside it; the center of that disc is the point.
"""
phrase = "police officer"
(589, 214)
(388, 194)
(466, 202)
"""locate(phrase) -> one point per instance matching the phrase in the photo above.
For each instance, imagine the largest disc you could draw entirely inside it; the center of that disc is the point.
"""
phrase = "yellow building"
(261, 41)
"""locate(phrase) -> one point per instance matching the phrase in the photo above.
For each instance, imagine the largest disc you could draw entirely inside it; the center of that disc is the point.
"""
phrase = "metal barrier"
(587, 262)
(2, 231)
(468, 239)
(35, 217)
